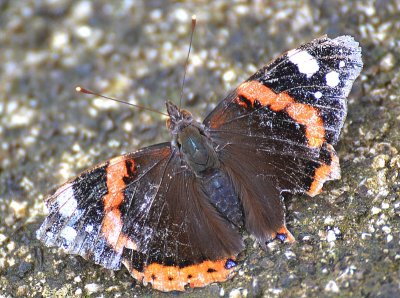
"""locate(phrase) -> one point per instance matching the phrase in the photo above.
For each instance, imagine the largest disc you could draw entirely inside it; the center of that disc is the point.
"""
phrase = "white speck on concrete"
(19, 208)
(331, 286)
(375, 210)
(78, 292)
(93, 288)
(388, 62)
(82, 10)
(21, 117)
(2, 238)
(365, 236)
(181, 15)
(83, 32)
(290, 255)
(235, 293)
(77, 279)
(34, 58)
(127, 126)
(229, 76)
(242, 9)
(60, 40)
(276, 291)
(330, 236)
(156, 14)
(328, 220)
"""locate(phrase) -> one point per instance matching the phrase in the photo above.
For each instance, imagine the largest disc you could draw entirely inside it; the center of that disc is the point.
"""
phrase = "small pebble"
(2, 238)
(375, 210)
(330, 236)
(385, 205)
(19, 208)
(331, 286)
(93, 288)
(59, 40)
(365, 236)
(229, 76)
(82, 10)
(388, 62)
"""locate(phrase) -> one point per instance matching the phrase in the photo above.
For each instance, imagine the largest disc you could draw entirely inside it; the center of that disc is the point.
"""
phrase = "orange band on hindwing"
(325, 172)
(175, 278)
(284, 231)
(304, 114)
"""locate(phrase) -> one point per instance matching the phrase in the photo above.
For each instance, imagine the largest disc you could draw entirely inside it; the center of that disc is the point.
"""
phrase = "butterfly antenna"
(187, 59)
(86, 91)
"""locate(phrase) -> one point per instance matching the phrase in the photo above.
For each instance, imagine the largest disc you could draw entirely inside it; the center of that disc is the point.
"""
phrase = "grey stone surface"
(347, 237)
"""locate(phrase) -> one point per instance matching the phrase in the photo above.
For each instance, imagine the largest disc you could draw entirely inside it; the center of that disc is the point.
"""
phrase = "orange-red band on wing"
(283, 230)
(173, 278)
(112, 222)
(325, 172)
(302, 113)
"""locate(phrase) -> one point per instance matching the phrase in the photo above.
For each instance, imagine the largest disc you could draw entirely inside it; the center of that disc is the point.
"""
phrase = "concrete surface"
(347, 237)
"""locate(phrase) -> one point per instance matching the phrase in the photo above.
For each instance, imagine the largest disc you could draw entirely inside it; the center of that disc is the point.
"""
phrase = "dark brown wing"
(275, 133)
(145, 210)
(186, 235)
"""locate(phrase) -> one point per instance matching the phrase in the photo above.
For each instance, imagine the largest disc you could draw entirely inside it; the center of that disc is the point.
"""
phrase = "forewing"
(318, 74)
(281, 124)
(85, 215)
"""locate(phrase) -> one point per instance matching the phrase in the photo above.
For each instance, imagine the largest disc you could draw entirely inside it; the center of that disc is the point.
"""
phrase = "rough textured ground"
(348, 237)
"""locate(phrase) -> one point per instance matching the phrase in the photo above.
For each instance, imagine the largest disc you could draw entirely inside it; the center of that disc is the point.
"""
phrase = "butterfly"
(173, 213)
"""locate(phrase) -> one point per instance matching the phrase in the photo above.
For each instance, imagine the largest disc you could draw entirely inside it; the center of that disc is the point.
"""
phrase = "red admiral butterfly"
(172, 213)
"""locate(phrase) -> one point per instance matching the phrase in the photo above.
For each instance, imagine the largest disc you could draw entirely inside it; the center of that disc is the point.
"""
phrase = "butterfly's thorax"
(198, 151)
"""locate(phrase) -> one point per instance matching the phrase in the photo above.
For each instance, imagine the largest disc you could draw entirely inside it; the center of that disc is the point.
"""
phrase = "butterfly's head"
(178, 118)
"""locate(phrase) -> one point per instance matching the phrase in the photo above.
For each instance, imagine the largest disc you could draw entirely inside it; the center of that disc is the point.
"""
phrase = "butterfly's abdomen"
(221, 193)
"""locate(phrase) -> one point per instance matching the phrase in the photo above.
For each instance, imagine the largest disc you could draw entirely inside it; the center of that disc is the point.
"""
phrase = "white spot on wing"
(318, 95)
(306, 63)
(342, 64)
(332, 79)
(66, 201)
(68, 233)
(89, 228)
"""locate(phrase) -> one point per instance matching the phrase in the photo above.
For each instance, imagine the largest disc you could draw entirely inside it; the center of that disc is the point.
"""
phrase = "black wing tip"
(349, 42)
(346, 41)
